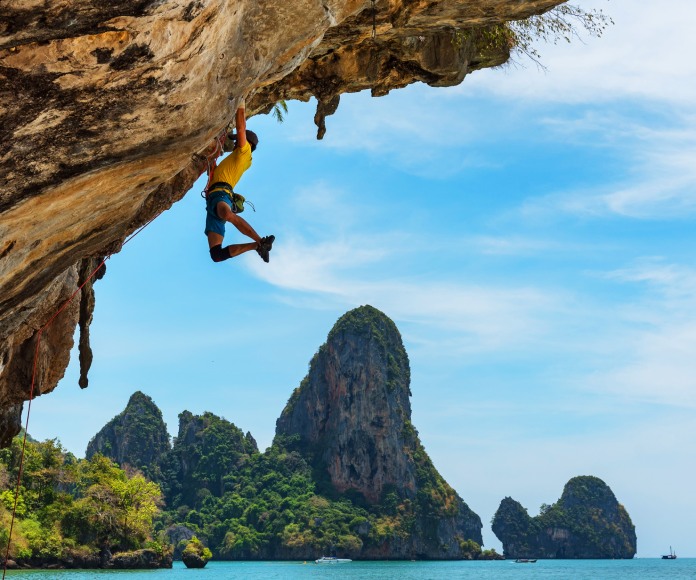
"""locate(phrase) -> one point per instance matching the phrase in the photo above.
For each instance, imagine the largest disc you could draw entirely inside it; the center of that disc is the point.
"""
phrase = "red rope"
(33, 382)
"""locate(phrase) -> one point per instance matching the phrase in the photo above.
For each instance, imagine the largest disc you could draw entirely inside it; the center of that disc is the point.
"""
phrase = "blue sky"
(530, 232)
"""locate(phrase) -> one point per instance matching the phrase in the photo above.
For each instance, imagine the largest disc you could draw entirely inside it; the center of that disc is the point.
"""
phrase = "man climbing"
(220, 200)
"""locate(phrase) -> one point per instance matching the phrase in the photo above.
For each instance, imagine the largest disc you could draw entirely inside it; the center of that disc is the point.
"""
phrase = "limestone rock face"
(107, 108)
(351, 418)
(353, 411)
(586, 522)
(193, 561)
(137, 437)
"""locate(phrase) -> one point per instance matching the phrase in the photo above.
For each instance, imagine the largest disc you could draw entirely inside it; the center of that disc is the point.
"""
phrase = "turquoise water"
(640, 569)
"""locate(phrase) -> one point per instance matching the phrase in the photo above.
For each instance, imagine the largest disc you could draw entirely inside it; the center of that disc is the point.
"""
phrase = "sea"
(637, 569)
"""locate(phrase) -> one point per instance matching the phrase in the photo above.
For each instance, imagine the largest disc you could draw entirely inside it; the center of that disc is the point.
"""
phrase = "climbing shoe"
(264, 247)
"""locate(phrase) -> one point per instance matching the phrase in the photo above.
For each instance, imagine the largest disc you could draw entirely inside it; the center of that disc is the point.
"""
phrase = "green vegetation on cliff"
(269, 508)
(136, 437)
(369, 322)
(205, 452)
(243, 504)
(350, 420)
(195, 554)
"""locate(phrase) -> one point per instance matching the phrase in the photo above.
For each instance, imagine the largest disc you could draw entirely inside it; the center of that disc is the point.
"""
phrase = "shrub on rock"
(196, 555)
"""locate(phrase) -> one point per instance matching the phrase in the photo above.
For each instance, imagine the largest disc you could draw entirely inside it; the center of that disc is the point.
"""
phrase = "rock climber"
(222, 203)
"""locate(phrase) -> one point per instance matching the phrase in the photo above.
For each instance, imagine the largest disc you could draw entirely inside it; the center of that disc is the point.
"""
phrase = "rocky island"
(346, 473)
(586, 522)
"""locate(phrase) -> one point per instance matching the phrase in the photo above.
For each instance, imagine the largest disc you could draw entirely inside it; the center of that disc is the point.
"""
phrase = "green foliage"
(196, 548)
(271, 505)
(564, 22)
(470, 550)
(138, 433)
(511, 520)
(207, 449)
(372, 324)
(238, 502)
(490, 555)
(280, 109)
(66, 504)
(561, 23)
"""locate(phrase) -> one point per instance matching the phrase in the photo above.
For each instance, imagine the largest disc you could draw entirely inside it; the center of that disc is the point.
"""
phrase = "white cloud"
(411, 130)
(659, 181)
(654, 347)
(328, 202)
(516, 245)
(476, 317)
(646, 54)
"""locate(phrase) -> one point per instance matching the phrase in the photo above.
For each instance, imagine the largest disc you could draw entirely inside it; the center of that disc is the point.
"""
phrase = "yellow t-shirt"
(233, 166)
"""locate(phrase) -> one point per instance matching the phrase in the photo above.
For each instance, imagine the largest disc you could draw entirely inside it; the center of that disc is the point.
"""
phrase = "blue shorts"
(212, 222)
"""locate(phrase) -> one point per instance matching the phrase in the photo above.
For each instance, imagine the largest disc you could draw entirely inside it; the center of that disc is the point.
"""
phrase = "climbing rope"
(211, 164)
(374, 20)
(33, 382)
(211, 159)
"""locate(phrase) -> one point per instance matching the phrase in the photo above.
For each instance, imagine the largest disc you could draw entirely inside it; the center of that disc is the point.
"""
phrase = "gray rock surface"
(351, 417)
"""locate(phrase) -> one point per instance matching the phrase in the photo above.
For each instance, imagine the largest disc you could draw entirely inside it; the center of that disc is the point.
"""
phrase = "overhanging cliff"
(104, 106)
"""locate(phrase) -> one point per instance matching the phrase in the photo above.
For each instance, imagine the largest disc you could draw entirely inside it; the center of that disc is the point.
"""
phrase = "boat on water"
(332, 560)
(670, 556)
(525, 561)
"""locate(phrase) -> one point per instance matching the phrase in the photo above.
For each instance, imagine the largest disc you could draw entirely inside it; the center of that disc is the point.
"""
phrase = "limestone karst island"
(109, 112)
(346, 474)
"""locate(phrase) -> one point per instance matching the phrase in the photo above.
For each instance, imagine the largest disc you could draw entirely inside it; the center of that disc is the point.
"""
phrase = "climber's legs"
(225, 213)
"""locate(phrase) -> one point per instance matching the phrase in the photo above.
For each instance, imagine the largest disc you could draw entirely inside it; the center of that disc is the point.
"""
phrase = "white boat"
(332, 560)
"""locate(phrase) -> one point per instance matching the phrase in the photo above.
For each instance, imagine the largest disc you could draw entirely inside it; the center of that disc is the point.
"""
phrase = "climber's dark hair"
(252, 139)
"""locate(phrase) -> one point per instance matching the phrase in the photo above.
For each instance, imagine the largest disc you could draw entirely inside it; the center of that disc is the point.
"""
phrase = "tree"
(561, 23)
(113, 510)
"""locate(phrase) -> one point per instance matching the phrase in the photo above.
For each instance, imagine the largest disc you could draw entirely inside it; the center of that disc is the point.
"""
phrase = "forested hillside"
(77, 512)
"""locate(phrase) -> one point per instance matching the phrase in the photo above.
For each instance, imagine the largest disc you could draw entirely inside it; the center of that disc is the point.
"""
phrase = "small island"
(195, 554)
(586, 522)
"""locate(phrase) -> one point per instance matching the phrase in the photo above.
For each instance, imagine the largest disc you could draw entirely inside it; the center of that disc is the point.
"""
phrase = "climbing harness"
(33, 383)
(237, 200)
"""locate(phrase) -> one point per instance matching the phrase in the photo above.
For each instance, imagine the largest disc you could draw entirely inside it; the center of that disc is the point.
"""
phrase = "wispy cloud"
(520, 245)
(413, 130)
(623, 64)
(654, 348)
(390, 271)
(659, 178)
